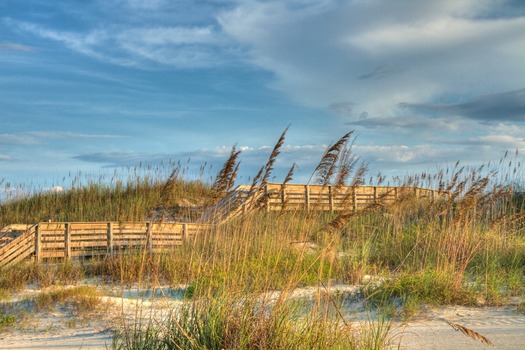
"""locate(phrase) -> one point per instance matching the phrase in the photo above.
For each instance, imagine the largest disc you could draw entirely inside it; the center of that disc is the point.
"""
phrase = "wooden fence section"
(330, 198)
(81, 239)
(275, 196)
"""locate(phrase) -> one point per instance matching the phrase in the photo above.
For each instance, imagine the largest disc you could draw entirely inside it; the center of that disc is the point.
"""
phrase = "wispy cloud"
(409, 123)
(505, 141)
(379, 72)
(37, 137)
(16, 47)
(252, 158)
(177, 46)
(145, 4)
(509, 106)
(393, 154)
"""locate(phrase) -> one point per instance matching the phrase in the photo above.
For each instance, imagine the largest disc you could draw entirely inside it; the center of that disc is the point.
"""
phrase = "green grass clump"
(7, 321)
(405, 293)
(233, 321)
(82, 299)
(17, 277)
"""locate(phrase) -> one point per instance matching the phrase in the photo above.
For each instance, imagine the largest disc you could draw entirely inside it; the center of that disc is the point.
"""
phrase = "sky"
(94, 86)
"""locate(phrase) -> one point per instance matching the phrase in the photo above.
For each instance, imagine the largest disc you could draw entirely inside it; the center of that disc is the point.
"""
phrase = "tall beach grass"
(240, 276)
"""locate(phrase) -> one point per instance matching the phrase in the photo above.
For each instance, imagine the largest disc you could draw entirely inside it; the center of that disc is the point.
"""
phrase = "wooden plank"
(22, 240)
(20, 248)
(22, 254)
(38, 243)
(101, 237)
(109, 241)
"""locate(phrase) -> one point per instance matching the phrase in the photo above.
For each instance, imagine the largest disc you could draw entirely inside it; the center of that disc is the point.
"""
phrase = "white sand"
(503, 326)
(60, 329)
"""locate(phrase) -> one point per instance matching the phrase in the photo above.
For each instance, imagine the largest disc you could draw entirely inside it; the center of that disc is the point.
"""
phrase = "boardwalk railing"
(331, 198)
(275, 196)
(46, 240)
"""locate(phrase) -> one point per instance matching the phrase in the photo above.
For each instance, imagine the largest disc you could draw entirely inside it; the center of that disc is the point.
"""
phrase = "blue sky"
(96, 85)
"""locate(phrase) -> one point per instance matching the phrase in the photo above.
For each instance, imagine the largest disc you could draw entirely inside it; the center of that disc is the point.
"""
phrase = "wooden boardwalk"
(51, 240)
(309, 197)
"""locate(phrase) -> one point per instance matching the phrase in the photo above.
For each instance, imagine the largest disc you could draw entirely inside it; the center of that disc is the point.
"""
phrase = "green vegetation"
(132, 196)
(7, 321)
(468, 248)
(82, 299)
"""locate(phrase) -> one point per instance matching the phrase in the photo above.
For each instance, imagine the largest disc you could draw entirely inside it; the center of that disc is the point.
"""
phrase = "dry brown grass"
(470, 333)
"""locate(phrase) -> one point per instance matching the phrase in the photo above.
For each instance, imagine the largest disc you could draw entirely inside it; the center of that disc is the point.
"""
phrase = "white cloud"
(416, 51)
(502, 140)
(396, 153)
(442, 34)
(56, 189)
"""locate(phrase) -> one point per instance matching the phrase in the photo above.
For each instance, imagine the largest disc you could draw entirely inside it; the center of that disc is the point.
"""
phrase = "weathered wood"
(20, 249)
(330, 198)
(110, 238)
(38, 243)
(307, 197)
(149, 238)
(67, 241)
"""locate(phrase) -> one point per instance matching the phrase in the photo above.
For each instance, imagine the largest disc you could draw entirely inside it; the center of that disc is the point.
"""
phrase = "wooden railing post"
(283, 197)
(307, 197)
(67, 241)
(330, 199)
(38, 243)
(149, 238)
(375, 194)
(354, 199)
(110, 238)
(184, 232)
(267, 199)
